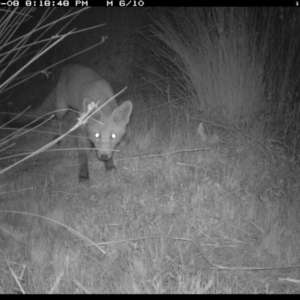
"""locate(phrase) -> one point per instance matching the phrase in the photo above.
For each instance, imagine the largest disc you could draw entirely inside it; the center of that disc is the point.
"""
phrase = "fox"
(78, 88)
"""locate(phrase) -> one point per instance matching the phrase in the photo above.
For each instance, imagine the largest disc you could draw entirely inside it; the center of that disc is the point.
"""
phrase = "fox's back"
(78, 82)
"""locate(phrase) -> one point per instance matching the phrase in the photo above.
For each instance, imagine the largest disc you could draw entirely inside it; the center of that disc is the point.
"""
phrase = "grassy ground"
(180, 215)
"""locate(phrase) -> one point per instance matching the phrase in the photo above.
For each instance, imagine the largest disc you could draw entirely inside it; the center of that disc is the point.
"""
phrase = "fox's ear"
(86, 103)
(122, 113)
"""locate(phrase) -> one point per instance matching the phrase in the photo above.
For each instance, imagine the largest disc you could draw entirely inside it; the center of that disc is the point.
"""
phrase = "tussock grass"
(215, 60)
(231, 66)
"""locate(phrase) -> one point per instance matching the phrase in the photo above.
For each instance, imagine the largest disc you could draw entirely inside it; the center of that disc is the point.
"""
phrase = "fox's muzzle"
(103, 157)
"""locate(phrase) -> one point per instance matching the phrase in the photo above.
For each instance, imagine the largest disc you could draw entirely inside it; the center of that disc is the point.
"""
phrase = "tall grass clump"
(215, 60)
(282, 64)
(234, 65)
(217, 57)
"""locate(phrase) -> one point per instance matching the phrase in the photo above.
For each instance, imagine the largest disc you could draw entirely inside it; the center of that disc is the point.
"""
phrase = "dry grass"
(220, 219)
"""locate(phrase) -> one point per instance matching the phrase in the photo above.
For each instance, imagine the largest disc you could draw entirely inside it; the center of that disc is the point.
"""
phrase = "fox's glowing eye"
(97, 135)
(113, 136)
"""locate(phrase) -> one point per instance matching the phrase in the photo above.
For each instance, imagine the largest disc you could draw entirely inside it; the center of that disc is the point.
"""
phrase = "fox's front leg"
(109, 164)
(83, 145)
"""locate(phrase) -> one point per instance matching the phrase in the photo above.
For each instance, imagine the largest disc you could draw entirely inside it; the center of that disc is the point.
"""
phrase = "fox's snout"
(103, 157)
(107, 159)
(103, 154)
